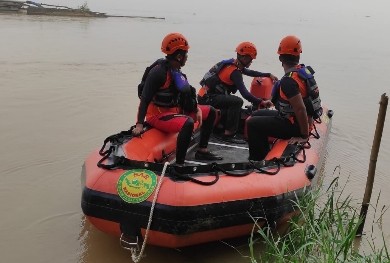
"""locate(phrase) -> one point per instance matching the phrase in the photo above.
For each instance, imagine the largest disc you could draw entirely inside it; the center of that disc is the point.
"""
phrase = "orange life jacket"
(308, 88)
(301, 86)
(166, 98)
(217, 79)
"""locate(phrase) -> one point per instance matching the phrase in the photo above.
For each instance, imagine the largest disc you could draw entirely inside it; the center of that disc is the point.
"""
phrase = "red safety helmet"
(290, 45)
(247, 48)
(173, 42)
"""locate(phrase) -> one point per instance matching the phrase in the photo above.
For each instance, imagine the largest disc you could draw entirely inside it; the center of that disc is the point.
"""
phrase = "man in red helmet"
(168, 101)
(296, 98)
(223, 80)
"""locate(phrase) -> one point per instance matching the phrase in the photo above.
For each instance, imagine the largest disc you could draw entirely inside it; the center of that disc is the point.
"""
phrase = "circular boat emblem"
(135, 186)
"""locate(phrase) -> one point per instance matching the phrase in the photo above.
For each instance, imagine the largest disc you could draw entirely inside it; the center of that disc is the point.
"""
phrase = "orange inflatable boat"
(132, 187)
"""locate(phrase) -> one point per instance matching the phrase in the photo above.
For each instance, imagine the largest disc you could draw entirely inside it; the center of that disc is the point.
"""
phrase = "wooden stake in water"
(373, 158)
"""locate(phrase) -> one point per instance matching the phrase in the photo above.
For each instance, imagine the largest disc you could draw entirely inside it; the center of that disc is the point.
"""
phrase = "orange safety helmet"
(290, 45)
(173, 42)
(247, 48)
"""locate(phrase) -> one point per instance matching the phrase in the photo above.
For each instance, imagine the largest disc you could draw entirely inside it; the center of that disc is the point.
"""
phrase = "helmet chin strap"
(180, 61)
(242, 63)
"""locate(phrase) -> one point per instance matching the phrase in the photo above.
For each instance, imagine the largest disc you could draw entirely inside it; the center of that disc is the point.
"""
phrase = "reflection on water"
(68, 83)
(100, 247)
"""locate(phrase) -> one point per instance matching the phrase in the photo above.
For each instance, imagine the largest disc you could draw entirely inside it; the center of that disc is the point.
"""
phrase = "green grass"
(323, 231)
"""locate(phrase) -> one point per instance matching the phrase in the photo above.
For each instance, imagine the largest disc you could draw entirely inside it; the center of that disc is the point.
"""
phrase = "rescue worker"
(225, 79)
(295, 110)
(161, 102)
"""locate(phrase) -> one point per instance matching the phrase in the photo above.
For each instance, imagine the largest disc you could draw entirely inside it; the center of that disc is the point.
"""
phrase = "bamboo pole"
(373, 159)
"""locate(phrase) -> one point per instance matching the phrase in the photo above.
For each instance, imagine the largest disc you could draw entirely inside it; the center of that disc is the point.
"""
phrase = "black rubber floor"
(231, 153)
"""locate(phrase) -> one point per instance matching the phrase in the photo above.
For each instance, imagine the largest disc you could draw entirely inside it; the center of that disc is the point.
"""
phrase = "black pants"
(230, 104)
(184, 136)
(264, 124)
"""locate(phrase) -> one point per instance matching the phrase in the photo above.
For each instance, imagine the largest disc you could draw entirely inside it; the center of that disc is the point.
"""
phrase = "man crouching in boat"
(296, 98)
(169, 103)
(223, 80)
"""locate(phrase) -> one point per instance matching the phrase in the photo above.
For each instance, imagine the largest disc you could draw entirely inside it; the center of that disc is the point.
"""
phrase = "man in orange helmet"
(168, 101)
(296, 98)
(223, 80)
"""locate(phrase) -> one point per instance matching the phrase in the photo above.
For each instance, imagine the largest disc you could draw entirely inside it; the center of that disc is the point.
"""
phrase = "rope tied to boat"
(137, 258)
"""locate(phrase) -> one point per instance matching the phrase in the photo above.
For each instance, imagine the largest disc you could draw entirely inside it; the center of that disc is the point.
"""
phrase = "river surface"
(68, 83)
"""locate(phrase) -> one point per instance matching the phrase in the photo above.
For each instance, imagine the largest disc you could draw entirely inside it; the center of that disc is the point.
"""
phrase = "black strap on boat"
(187, 177)
(116, 163)
(215, 167)
(315, 134)
(295, 154)
(100, 163)
(258, 166)
(116, 139)
(188, 172)
(287, 161)
(318, 120)
(220, 168)
(230, 168)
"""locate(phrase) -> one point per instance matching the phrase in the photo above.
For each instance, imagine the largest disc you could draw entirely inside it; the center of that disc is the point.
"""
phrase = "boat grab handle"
(128, 245)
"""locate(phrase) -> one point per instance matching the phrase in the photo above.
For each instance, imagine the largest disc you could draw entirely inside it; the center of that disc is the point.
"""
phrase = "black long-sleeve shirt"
(238, 82)
(155, 80)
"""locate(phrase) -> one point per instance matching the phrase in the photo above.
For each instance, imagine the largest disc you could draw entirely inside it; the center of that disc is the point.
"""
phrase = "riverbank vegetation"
(323, 231)
(84, 7)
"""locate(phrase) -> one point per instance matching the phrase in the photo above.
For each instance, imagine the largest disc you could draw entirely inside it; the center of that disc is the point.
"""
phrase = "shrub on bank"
(323, 231)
